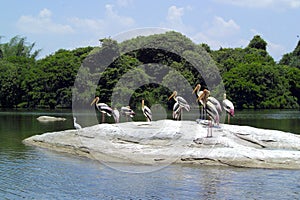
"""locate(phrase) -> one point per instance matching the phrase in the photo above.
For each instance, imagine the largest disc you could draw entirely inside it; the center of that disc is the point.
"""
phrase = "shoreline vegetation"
(251, 77)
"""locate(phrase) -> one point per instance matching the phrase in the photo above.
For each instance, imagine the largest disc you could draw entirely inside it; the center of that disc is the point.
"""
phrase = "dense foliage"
(27, 82)
(254, 80)
(250, 75)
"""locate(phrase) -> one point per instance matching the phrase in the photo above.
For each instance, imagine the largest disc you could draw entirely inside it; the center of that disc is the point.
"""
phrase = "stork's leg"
(181, 113)
(209, 128)
(228, 119)
(201, 112)
(103, 117)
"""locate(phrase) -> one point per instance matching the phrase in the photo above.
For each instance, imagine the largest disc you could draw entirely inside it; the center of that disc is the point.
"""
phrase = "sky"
(70, 24)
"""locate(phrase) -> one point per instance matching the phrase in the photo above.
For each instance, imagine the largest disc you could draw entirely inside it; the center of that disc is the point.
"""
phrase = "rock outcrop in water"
(168, 141)
(50, 119)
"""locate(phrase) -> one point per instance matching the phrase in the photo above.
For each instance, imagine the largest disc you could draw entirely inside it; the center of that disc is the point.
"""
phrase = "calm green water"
(35, 173)
(285, 120)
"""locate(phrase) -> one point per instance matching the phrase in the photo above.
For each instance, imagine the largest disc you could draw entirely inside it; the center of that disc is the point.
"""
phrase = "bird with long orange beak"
(211, 110)
(146, 111)
(182, 103)
(103, 108)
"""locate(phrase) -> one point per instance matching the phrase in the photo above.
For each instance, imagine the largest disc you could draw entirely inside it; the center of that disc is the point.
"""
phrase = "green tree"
(17, 46)
(292, 59)
(259, 86)
(258, 43)
(55, 76)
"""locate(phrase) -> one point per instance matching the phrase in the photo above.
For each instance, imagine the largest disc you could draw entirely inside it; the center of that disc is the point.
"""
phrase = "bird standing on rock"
(228, 107)
(103, 108)
(182, 104)
(146, 111)
(127, 112)
(76, 125)
(176, 111)
(211, 110)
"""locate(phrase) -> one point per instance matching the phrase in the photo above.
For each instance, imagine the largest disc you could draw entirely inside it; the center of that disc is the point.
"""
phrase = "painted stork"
(176, 111)
(182, 104)
(103, 108)
(216, 103)
(207, 98)
(211, 110)
(127, 112)
(228, 107)
(76, 125)
(213, 115)
(197, 90)
(146, 111)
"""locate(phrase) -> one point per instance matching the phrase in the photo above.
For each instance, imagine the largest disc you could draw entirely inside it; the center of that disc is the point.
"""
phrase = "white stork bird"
(228, 107)
(127, 112)
(211, 111)
(213, 115)
(76, 125)
(216, 103)
(177, 110)
(207, 98)
(103, 108)
(146, 111)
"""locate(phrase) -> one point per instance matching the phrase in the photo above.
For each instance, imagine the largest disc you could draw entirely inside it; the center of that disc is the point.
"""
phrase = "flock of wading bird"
(211, 109)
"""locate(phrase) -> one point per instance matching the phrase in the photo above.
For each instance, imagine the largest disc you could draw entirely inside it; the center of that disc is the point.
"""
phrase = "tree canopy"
(292, 59)
(137, 68)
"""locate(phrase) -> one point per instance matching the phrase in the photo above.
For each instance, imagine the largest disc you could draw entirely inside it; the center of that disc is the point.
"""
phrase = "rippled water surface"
(35, 173)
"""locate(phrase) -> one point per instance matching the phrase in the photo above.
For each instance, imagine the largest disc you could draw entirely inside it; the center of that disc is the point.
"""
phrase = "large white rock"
(168, 141)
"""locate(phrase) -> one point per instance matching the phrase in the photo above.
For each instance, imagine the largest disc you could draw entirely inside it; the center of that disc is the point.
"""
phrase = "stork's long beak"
(200, 97)
(196, 88)
(172, 95)
(93, 101)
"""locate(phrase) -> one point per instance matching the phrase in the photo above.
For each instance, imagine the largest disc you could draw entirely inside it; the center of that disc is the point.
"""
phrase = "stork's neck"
(198, 89)
(143, 103)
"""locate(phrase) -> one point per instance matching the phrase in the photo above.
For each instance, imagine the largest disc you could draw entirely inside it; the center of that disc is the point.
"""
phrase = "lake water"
(35, 173)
